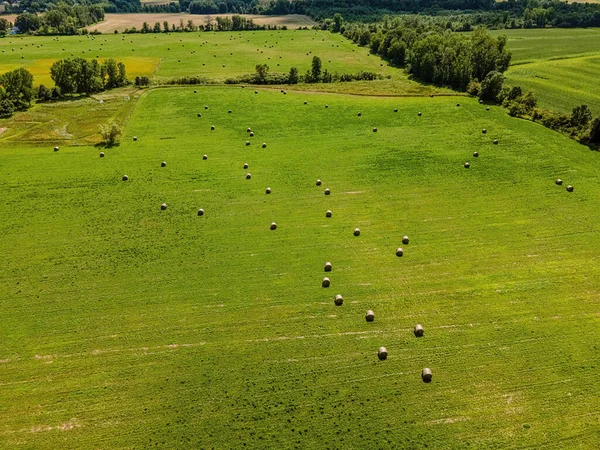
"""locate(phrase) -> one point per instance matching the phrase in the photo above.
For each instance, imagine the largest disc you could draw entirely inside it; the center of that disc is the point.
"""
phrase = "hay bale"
(245, 165)
(399, 251)
(339, 300)
(328, 213)
(426, 375)
(325, 283)
(205, 106)
(328, 267)
(370, 316)
(559, 182)
(199, 115)
(125, 178)
(458, 104)
(495, 141)
(327, 192)
(405, 240)
(247, 143)
(163, 206)
(467, 165)
(487, 109)
(326, 106)
(396, 110)
(476, 154)
(135, 138)
(359, 114)
(205, 157)
(570, 188)
(356, 232)
(419, 330)
(256, 92)
(251, 134)
(273, 226)
(484, 131)
(268, 190)
(101, 154)
(56, 148)
(195, 91)
(419, 114)
(306, 103)
(212, 127)
(374, 130)
(163, 164)
(248, 130)
(382, 353)
(200, 212)
(481, 102)
(318, 182)
(229, 112)
(264, 145)
(248, 176)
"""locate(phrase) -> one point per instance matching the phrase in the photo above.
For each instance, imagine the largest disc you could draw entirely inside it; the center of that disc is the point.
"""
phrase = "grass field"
(214, 55)
(562, 66)
(126, 326)
(120, 22)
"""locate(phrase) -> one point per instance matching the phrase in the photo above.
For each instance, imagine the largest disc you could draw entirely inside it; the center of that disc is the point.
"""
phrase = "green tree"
(110, 133)
(315, 72)
(491, 86)
(261, 72)
(581, 116)
(594, 133)
(293, 76)
(338, 21)
(18, 87)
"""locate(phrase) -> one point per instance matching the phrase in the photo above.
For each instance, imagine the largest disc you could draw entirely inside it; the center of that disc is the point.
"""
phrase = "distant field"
(124, 326)
(561, 65)
(216, 55)
(119, 22)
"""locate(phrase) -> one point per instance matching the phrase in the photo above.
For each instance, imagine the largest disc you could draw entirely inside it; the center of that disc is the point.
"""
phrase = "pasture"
(126, 326)
(562, 66)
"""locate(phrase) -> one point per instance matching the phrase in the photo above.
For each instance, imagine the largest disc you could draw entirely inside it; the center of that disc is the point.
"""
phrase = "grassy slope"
(561, 65)
(127, 326)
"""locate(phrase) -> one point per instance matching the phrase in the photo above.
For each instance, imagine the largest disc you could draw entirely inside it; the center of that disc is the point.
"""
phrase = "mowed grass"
(217, 56)
(127, 326)
(562, 66)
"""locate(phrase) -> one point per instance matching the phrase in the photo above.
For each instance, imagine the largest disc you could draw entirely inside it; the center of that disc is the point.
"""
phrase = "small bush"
(110, 133)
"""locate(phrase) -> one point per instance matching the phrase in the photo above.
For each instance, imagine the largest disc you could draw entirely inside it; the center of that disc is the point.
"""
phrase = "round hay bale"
(264, 145)
(326, 106)
(467, 165)
(325, 283)
(559, 182)
(243, 86)
(356, 232)
(484, 131)
(205, 106)
(163, 164)
(327, 192)
(419, 330)
(570, 188)
(328, 213)
(245, 165)
(306, 103)
(212, 127)
(248, 130)
(135, 138)
(458, 104)
(248, 176)
(247, 143)
(328, 267)
(251, 134)
(268, 190)
(374, 130)
(396, 110)
(419, 114)
(399, 251)
(481, 102)
(339, 300)
(199, 115)
(195, 91)
(382, 353)
(200, 212)
(256, 92)
(101, 154)
(426, 375)
(318, 182)
(405, 240)
(370, 316)
(163, 206)
(476, 154)
(204, 157)
(495, 141)
(229, 112)
(56, 148)
(487, 109)
(124, 178)
(359, 114)
(273, 226)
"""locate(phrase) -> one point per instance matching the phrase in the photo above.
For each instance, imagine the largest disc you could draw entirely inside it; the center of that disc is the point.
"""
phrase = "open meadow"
(128, 326)
(562, 66)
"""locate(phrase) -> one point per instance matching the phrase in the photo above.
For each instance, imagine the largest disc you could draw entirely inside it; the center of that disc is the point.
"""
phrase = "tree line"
(62, 18)
(70, 76)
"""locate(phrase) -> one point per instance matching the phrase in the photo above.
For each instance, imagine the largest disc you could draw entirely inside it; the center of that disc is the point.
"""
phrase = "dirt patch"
(119, 22)
(2, 130)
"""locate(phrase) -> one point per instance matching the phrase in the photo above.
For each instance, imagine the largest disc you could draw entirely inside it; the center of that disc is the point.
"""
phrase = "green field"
(216, 56)
(124, 326)
(562, 66)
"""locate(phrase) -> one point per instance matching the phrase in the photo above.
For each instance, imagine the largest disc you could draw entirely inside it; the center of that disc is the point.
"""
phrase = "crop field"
(128, 326)
(562, 66)
(216, 56)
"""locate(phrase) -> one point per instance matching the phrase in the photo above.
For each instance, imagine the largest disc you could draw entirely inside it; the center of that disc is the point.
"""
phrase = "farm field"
(562, 66)
(217, 56)
(126, 326)
(120, 22)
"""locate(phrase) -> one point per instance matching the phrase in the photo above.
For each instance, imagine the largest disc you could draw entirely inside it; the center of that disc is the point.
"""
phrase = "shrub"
(110, 133)
(473, 88)
(491, 86)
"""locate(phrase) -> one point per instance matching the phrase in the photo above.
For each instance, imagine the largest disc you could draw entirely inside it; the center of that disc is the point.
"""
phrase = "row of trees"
(16, 91)
(61, 18)
(233, 23)
(85, 77)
